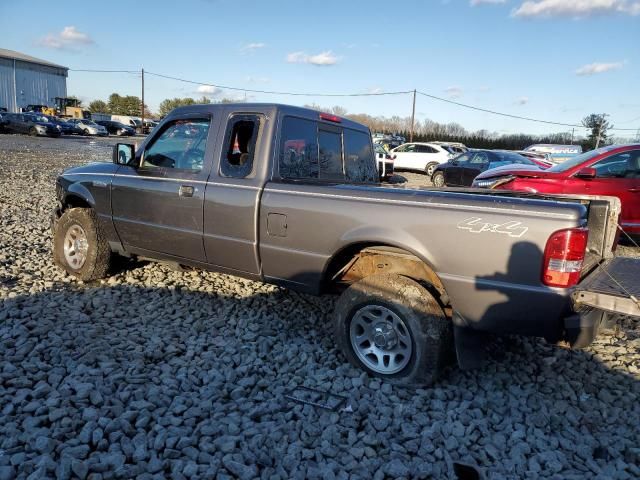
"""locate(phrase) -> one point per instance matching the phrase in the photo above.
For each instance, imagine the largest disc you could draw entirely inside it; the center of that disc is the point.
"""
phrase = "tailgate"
(614, 286)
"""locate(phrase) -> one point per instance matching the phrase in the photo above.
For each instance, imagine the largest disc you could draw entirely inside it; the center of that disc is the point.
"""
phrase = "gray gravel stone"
(156, 373)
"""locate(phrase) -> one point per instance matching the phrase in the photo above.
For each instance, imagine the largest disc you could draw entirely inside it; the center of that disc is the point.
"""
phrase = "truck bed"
(614, 286)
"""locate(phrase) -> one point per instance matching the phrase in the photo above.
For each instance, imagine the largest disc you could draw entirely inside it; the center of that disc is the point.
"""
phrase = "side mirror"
(123, 153)
(587, 173)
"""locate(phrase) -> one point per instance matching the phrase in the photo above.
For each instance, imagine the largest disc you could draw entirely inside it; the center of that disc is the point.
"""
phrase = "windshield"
(89, 122)
(578, 159)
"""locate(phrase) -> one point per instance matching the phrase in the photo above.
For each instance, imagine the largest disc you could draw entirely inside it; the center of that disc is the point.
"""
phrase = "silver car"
(89, 127)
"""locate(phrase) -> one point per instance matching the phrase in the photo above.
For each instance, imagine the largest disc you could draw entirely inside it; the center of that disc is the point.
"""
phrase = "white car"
(89, 127)
(421, 157)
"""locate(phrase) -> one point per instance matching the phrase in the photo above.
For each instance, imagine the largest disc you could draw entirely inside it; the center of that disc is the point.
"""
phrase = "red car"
(613, 171)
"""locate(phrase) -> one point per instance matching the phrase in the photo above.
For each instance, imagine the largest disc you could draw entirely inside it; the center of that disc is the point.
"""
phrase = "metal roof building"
(26, 80)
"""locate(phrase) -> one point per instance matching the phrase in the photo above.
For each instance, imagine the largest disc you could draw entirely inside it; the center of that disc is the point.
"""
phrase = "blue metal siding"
(7, 94)
(34, 84)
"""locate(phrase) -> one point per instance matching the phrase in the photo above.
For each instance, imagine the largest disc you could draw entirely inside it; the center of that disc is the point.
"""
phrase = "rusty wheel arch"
(362, 260)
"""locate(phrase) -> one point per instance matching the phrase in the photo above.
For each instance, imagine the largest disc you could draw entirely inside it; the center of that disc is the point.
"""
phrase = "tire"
(74, 226)
(85, 132)
(33, 132)
(438, 179)
(430, 168)
(422, 324)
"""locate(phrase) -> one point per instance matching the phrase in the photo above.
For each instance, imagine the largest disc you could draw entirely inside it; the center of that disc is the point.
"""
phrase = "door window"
(480, 157)
(425, 149)
(240, 145)
(463, 158)
(622, 165)
(181, 146)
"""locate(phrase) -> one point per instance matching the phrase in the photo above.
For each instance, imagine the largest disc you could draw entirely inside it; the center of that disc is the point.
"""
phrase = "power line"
(510, 115)
(272, 92)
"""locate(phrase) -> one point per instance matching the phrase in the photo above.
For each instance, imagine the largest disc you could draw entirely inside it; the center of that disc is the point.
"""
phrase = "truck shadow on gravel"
(127, 380)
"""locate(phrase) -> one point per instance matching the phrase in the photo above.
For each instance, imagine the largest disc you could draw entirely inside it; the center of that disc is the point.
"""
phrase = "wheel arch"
(78, 196)
(360, 259)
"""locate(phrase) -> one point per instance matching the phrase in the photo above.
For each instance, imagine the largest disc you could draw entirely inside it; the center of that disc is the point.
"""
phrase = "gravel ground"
(154, 373)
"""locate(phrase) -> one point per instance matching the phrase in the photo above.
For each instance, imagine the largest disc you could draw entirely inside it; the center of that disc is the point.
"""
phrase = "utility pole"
(413, 116)
(142, 106)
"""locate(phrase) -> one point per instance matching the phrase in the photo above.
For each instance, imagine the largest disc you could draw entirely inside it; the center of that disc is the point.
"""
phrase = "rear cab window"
(314, 150)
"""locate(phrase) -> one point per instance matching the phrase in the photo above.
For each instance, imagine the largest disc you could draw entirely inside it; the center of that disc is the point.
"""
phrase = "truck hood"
(95, 167)
(516, 171)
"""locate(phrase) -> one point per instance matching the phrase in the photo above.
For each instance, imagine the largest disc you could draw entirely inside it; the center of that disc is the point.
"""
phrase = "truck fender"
(382, 235)
(77, 194)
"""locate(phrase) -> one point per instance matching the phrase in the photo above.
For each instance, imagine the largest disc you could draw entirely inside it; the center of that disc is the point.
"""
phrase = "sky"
(557, 60)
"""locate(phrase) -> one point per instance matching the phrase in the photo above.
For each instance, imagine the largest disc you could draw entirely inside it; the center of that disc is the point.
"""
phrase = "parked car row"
(39, 124)
(609, 171)
(460, 171)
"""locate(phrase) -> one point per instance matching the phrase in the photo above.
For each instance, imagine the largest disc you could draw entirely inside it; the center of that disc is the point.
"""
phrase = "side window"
(240, 146)
(359, 163)
(401, 149)
(480, 157)
(181, 145)
(410, 148)
(298, 149)
(622, 165)
(463, 158)
(330, 155)
(426, 149)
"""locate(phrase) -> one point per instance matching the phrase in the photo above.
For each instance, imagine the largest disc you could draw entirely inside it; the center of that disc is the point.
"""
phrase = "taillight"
(563, 257)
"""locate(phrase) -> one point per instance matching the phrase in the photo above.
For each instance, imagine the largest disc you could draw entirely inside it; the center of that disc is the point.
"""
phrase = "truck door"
(453, 172)
(231, 203)
(157, 205)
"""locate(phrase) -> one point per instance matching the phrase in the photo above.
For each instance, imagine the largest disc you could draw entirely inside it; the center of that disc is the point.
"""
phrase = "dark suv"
(32, 123)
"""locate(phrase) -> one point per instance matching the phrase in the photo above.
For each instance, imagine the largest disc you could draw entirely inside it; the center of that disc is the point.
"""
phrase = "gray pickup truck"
(291, 196)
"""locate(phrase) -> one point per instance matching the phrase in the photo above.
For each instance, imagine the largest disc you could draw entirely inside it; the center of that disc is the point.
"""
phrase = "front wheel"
(393, 328)
(33, 132)
(438, 179)
(79, 245)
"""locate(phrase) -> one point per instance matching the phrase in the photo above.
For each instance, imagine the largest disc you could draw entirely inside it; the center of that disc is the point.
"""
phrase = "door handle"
(186, 191)
(634, 190)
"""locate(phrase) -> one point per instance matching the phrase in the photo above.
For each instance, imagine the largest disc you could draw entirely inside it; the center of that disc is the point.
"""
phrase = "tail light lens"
(563, 257)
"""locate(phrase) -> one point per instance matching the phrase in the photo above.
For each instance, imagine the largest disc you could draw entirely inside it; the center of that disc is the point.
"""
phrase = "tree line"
(429, 130)
(130, 105)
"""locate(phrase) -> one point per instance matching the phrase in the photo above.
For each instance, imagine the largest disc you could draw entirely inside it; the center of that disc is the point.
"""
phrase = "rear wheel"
(430, 168)
(438, 179)
(80, 246)
(85, 132)
(33, 132)
(393, 328)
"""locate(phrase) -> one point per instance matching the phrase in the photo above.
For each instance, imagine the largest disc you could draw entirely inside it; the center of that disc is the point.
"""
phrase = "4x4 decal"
(477, 225)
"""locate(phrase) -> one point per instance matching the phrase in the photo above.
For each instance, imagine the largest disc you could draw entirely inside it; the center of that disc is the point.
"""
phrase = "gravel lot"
(155, 373)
